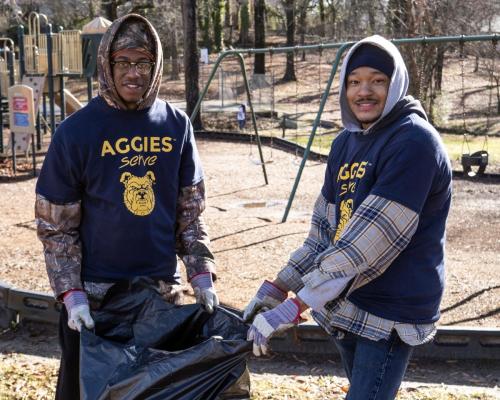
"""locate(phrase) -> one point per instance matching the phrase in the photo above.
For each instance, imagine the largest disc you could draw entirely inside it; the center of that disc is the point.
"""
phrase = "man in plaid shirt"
(372, 266)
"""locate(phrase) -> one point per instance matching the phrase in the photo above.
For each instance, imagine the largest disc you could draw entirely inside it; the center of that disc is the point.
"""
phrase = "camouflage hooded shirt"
(121, 191)
(129, 31)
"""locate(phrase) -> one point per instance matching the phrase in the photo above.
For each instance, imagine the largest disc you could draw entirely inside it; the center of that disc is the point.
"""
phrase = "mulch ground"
(250, 244)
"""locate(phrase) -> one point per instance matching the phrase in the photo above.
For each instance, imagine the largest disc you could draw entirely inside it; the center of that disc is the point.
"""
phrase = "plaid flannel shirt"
(377, 233)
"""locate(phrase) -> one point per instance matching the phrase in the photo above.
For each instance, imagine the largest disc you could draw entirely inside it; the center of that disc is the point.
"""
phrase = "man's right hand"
(268, 296)
(77, 305)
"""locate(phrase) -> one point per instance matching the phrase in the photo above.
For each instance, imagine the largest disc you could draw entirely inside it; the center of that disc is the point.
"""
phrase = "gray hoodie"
(397, 87)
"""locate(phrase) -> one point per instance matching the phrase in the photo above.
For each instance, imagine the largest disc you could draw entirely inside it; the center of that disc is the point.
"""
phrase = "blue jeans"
(374, 369)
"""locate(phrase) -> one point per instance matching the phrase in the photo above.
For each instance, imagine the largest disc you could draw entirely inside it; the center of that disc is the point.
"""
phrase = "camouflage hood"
(107, 87)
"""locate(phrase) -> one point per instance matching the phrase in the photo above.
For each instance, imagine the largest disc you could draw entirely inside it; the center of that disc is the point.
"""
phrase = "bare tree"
(260, 36)
(191, 67)
(217, 13)
(289, 6)
(322, 19)
(174, 54)
(110, 9)
(410, 18)
(302, 8)
(244, 23)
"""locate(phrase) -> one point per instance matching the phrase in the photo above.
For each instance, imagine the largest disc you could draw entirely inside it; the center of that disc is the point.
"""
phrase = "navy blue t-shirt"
(404, 162)
(126, 167)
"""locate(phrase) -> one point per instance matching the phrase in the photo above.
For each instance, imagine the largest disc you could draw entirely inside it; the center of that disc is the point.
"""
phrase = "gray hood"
(397, 88)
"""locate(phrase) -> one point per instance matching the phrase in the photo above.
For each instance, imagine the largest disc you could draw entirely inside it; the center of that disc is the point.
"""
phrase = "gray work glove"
(204, 291)
(77, 305)
(268, 296)
(269, 323)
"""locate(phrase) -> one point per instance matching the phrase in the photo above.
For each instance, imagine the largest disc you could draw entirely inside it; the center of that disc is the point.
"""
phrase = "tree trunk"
(353, 16)
(91, 9)
(204, 23)
(174, 53)
(302, 24)
(227, 14)
(396, 17)
(235, 19)
(497, 81)
(371, 18)
(290, 40)
(244, 24)
(333, 11)
(228, 25)
(403, 23)
(438, 72)
(322, 23)
(110, 10)
(217, 8)
(191, 68)
(260, 36)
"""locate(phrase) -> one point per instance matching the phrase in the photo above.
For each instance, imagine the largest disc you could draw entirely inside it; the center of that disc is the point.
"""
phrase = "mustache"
(366, 99)
(132, 82)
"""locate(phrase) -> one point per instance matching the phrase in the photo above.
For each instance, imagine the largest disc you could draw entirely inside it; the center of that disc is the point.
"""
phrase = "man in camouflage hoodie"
(121, 192)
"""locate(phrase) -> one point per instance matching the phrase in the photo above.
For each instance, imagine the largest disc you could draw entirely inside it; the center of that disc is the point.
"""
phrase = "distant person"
(241, 116)
(121, 192)
(372, 267)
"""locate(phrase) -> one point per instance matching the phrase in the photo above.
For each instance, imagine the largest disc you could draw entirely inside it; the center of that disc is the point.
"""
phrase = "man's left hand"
(204, 291)
(267, 324)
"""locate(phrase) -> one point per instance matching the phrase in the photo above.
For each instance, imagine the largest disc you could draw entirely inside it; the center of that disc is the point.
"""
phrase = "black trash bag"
(145, 348)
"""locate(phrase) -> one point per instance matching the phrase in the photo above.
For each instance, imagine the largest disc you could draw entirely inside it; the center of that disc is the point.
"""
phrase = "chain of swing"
(271, 143)
(319, 136)
(287, 120)
(474, 164)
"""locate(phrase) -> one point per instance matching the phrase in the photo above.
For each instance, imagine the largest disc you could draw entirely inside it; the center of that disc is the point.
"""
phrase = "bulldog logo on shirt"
(345, 216)
(139, 196)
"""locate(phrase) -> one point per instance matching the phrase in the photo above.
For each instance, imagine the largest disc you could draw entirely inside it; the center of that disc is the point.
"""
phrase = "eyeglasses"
(142, 67)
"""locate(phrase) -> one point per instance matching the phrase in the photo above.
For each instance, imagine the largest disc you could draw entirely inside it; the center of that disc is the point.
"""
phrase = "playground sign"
(22, 110)
(22, 117)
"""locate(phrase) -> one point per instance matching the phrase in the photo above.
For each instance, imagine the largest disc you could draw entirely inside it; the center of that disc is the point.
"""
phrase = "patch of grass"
(290, 387)
(454, 145)
(25, 379)
(22, 379)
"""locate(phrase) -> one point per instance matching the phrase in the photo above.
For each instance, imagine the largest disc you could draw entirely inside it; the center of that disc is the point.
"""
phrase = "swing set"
(289, 121)
(469, 160)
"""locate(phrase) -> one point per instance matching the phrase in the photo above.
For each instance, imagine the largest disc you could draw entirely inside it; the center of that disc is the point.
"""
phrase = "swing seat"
(478, 159)
(258, 162)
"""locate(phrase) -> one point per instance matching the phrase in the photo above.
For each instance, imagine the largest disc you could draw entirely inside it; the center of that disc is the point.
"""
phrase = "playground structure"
(473, 163)
(44, 61)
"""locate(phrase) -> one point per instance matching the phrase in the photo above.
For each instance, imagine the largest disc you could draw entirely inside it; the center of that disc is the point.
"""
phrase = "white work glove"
(269, 323)
(204, 291)
(77, 305)
(268, 296)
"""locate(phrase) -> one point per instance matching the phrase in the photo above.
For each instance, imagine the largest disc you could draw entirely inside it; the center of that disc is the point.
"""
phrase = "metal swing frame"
(341, 48)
